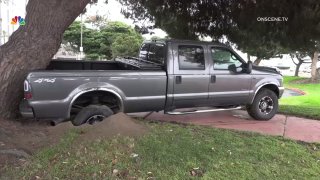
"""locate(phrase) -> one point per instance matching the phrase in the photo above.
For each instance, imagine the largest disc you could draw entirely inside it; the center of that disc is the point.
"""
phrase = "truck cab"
(208, 74)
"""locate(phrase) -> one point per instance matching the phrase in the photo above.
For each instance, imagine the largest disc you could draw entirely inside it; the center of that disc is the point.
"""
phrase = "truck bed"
(117, 64)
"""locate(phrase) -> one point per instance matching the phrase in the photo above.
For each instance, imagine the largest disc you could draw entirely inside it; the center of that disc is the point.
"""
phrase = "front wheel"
(265, 105)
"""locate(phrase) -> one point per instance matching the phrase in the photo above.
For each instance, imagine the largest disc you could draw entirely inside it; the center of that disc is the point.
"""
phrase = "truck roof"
(165, 41)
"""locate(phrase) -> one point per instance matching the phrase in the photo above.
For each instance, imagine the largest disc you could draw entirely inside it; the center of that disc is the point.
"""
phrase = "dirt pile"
(119, 124)
(21, 139)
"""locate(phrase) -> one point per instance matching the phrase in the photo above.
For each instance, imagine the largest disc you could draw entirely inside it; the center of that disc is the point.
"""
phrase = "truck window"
(154, 52)
(191, 58)
(223, 58)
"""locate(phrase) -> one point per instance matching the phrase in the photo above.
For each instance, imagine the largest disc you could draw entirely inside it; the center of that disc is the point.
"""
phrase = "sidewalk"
(287, 126)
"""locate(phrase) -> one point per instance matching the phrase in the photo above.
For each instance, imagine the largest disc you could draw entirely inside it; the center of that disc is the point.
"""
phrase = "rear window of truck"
(154, 52)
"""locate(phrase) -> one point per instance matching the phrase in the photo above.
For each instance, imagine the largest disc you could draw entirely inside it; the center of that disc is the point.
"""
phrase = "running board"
(203, 111)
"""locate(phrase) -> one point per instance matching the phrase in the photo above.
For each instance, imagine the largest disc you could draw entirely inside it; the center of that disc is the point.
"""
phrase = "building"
(8, 10)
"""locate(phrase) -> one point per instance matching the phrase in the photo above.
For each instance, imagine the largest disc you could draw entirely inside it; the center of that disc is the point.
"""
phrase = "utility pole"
(26, 2)
(0, 23)
(12, 5)
(81, 36)
(8, 21)
(4, 37)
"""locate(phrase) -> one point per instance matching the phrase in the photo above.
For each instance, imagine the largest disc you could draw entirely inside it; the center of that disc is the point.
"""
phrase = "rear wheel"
(265, 105)
(92, 114)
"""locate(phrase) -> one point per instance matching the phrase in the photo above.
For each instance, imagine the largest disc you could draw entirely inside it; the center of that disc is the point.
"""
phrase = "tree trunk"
(315, 57)
(296, 73)
(32, 46)
(257, 61)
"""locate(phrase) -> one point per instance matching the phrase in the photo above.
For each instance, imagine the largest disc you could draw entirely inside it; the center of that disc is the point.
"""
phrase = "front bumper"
(281, 90)
(25, 109)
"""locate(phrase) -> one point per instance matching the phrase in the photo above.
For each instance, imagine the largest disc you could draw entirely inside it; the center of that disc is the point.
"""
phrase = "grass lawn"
(171, 151)
(304, 106)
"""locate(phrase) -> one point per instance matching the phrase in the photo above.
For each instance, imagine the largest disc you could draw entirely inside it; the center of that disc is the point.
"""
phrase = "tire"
(92, 114)
(261, 109)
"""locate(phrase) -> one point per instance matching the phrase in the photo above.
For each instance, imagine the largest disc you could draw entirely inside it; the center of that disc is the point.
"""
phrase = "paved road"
(287, 126)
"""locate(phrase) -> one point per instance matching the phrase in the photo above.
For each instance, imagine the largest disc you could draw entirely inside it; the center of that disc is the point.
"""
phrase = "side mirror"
(249, 67)
(232, 68)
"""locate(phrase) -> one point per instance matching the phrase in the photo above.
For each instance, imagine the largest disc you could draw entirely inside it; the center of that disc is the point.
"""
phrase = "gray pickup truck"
(175, 76)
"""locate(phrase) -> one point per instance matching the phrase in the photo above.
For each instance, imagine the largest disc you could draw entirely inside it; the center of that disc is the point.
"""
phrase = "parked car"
(306, 69)
(168, 75)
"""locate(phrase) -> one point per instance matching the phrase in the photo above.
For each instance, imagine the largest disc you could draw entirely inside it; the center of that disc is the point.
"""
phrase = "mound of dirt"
(21, 139)
(119, 124)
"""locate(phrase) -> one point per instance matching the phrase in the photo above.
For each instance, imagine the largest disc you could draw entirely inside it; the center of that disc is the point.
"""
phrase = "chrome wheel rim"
(266, 105)
(95, 118)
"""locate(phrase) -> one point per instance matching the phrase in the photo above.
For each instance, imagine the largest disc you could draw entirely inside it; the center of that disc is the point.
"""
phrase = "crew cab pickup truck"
(167, 75)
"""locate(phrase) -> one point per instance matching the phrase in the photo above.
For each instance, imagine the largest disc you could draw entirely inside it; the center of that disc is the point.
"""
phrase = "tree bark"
(257, 61)
(314, 76)
(32, 46)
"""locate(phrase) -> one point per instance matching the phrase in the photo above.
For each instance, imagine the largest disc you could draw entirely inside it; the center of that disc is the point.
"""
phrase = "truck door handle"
(178, 79)
(213, 79)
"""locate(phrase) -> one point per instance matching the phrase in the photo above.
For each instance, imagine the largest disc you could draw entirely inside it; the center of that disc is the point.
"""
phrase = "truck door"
(227, 87)
(191, 75)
